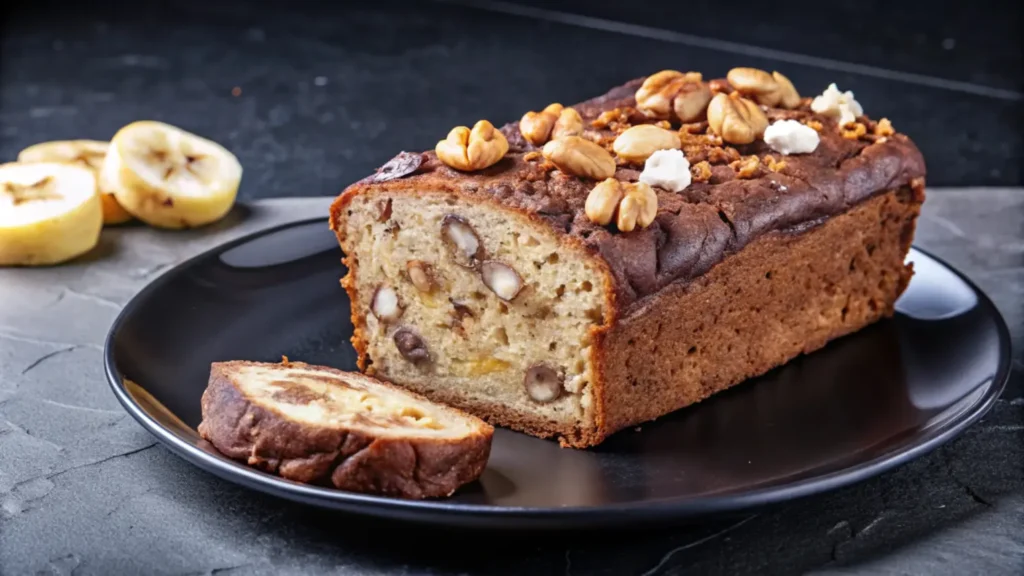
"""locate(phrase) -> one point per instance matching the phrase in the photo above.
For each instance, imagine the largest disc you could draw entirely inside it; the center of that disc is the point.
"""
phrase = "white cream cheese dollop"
(668, 169)
(841, 105)
(791, 137)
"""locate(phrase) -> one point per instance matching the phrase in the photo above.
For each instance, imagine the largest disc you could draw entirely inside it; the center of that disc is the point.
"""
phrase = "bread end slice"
(319, 425)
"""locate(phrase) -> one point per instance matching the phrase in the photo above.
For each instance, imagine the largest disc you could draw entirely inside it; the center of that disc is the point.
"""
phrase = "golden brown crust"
(349, 459)
(786, 294)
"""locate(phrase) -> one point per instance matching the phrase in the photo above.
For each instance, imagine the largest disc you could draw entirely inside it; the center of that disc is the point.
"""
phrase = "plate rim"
(485, 515)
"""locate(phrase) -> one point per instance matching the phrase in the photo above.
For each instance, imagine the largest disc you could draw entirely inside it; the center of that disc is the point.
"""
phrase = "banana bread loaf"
(596, 266)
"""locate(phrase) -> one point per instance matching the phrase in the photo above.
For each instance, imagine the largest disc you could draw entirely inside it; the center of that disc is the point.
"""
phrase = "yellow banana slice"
(88, 153)
(49, 213)
(168, 177)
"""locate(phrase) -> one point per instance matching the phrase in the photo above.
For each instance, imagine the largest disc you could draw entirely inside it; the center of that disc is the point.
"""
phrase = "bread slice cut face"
(319, 425)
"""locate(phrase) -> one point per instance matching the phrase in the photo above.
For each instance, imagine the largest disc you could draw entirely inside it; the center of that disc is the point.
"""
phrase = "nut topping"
(462, 241)
(639, 142)
(580, 157)
(768, 89)
(691, 104)
(671, 91)
(411, 346)
(420, 275)
(718, 86)
(385, 305)
(536, 127)
(789, 98)
(701, 171)
(884, 128)
(602, 202)
(630, 204)
(569, 123)
(755, 83)
(384, 210)
(542, 383)
(737, 120)
(501, 279)
(638, 207)
(476, 149)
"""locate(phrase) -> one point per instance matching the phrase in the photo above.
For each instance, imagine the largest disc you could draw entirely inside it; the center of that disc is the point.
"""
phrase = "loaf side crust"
(349, 459)
(786, 294)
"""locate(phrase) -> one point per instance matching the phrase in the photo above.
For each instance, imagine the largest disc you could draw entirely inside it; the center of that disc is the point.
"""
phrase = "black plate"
(858, 407)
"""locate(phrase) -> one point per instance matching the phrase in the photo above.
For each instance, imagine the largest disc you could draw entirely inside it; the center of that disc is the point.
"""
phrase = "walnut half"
(475, 149)
(629, 204)
(768, 89)
(536, 126)
(737, 120)
(672, 94)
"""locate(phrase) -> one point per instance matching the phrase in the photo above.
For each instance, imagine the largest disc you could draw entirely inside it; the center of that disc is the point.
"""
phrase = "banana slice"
(168, 177)
(88, 153)
(49, 213)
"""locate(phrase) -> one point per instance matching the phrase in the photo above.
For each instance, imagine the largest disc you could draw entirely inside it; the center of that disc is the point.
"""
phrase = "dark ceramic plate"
(858, 407)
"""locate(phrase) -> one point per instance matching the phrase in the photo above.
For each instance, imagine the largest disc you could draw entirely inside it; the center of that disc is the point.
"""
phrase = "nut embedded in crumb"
(385, 305)
(531, 156)
(462, 241)
(411, 346)
(383, 210)
(501, 279)
(818, 127)
(462, 318)
(701, 171)
(543, 384)
(420, 275)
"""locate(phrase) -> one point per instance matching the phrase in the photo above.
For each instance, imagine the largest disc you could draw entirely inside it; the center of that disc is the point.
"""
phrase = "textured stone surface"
(85, 490)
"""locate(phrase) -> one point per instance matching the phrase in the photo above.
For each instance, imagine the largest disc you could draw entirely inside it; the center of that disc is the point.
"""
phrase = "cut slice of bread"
(319, 425)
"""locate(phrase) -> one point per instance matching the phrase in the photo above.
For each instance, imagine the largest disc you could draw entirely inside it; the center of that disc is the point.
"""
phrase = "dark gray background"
(328, 91)
(331, 90)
